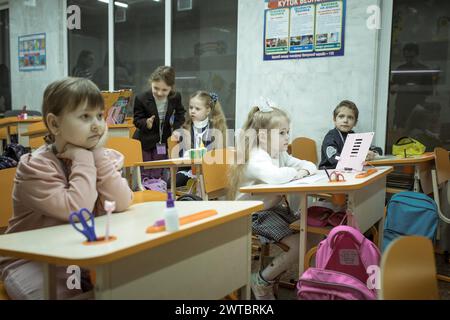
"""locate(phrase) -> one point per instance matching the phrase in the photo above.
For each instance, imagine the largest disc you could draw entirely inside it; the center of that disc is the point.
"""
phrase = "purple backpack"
(341, 271)
(154, 184)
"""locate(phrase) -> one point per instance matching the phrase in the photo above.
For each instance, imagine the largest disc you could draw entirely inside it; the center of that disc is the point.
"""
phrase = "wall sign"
(299, 29)
(32, 52)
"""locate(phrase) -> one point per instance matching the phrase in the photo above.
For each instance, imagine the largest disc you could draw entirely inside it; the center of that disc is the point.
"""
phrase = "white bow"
(265, 104)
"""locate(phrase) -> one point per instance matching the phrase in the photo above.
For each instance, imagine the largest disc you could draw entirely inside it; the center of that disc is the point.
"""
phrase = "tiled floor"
(292, 274)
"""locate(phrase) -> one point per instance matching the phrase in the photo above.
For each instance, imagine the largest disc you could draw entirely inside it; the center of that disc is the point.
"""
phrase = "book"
(116, 105)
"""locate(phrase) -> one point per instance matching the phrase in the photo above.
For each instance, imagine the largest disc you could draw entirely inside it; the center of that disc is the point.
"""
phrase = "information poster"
(32, 52)
(299, 29)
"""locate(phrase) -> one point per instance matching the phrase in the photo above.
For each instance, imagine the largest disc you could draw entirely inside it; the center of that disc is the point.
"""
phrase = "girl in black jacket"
(157, 112)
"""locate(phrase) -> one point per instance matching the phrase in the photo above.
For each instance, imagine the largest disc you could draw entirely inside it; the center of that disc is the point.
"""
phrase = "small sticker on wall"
(349, 257)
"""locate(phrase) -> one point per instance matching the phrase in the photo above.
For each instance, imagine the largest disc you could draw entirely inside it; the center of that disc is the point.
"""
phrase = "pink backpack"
(341, 268)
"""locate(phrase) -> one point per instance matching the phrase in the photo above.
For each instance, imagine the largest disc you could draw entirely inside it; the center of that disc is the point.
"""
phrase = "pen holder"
(100, 240)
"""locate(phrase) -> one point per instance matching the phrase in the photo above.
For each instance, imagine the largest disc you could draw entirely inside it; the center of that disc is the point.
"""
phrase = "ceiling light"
(117, 3)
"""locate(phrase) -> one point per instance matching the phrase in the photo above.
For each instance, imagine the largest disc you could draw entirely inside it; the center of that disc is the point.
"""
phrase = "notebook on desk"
(355, 150)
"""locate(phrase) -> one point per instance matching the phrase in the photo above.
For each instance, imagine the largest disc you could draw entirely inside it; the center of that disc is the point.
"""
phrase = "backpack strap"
(336, 231)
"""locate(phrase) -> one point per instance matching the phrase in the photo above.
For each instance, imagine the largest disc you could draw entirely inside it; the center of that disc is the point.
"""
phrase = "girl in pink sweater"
(71, 171)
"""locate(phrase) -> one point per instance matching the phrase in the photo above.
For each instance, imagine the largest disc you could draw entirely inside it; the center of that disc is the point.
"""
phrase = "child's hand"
(370, 155)
(101, 142)
(69, 151)
(301, 174)
(175, 136)
(150, 122)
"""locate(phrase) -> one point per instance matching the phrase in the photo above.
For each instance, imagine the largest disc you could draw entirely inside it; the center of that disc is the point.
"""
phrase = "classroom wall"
(309, 89)
(44, 17)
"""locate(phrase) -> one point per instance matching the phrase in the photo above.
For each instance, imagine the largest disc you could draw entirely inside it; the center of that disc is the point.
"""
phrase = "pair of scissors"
(88, 229)
(336, 177)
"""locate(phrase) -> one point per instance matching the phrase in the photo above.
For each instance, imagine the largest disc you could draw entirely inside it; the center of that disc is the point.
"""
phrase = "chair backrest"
(408, 270)
(442, 162)
(130, 148)
(215, 170)
(305, 149)
(6, 187)
(171, 144)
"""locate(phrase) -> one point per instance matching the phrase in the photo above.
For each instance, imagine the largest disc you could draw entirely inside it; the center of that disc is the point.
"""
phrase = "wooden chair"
(305, 149)
(408, 270)
(6, 210)
(132, 152)
(6, 187)
(214, 175)
(440, 177)
(172, 148)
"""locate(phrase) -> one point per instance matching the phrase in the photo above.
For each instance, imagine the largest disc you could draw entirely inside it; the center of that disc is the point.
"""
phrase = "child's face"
(198, 111)
(345, 119)
(160, 90)
(82, 127)
(284, 135)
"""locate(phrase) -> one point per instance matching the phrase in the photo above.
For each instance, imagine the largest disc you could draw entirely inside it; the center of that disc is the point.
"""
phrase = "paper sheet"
(320, 175)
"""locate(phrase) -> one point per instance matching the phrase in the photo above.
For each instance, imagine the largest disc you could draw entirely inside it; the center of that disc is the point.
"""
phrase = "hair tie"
(214, 97)
(265, 104)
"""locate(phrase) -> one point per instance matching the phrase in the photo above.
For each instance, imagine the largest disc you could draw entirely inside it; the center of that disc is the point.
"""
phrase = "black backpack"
(15, 151)
(7, 162)
(11, 155)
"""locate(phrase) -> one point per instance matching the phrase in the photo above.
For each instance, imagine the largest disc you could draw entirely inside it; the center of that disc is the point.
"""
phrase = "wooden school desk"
(422, 168)
(173, 165)
(206, 259)
(22, 127)
(365, 199)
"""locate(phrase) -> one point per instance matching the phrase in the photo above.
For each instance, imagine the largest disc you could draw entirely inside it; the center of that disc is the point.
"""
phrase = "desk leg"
(416, 178)
(8, 135)
(21, 129)
(103, 282)
(244, 292)
(173, 181)
(201, 182)
(49, 271)
(303, 233)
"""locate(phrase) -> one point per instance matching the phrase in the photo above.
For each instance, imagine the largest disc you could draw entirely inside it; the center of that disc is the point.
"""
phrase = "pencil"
(329, 178)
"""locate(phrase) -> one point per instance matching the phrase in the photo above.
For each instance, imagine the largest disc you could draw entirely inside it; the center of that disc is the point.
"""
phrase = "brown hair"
(67, 95)
(347, 104)
(166, 74)
(216, 117)
(256, 120)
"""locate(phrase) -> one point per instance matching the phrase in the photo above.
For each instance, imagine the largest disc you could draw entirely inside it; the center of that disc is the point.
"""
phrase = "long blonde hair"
(216, 116)
(256, 120)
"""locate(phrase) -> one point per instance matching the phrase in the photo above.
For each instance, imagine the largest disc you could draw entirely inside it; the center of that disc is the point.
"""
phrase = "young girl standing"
(157, 112)
(71, 171)
(205, 125)
(267, 161)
